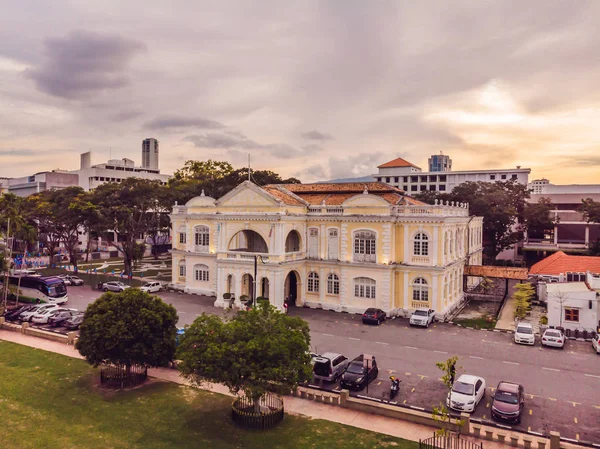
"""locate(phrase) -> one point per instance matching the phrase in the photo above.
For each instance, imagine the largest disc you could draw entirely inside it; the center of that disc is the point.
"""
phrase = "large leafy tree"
(502, 206)
(590, 210)
(159, 220)
(128, 328)
(538, 219)
(254, 352)
(14, 210)
(42, 209)
(126, 208)
(88, 216)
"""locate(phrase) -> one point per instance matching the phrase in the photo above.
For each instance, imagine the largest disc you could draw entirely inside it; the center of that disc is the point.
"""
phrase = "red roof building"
(561, 263)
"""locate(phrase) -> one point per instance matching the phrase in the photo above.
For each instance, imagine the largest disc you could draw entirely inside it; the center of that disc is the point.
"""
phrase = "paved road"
(562, 386)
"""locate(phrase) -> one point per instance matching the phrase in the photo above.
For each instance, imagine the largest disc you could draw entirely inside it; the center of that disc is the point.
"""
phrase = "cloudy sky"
(314, 89)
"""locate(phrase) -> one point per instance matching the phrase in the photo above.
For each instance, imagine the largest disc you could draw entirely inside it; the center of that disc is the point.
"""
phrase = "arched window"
(364, 287)
(364, 246)
(333, 284)
(313, 282)
(182, 234)
(420, 290)
(201, 273)
(421, 245)
(201, 238)
(182, 269)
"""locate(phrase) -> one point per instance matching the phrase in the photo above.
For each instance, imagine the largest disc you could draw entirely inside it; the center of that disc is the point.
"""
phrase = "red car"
(508, 402)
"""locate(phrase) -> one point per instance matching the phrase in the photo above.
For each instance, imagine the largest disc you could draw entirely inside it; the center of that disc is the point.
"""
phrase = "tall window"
(313, 243)
(182, 269)
(364, 287)
(572, 315)
(333, 284)
(182, 234)
(333, 244)
(364, 246)
(420, 290)
(421, 245)
(201, 238)
(201, 273)
(313, 282)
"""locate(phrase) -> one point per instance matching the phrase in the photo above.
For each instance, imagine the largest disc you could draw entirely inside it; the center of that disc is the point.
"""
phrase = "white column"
(345, 286)
(219, 289)
(435, 303)
(405, 300)
(345, 244)
(587, 236)
(556, 235)
(322, 284)
(386, 241)
(436, 244)
(406, 244)
(323, 244)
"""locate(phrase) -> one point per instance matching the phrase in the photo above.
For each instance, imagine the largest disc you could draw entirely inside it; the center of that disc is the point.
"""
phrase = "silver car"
(329, 366)
(114, 286)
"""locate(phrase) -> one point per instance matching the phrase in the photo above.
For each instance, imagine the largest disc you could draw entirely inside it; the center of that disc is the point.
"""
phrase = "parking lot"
(562, 387)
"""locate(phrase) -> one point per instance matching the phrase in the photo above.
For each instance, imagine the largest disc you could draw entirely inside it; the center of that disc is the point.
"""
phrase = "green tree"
(159, 220)
(522, 296)
(538, 219)
(590, 210)
(128, 328)
(254, 351)
(88, 217)
(441, 413)
(448, 368)
(126, 209)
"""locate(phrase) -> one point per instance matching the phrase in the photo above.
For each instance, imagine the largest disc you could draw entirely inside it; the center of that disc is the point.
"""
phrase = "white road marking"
(592, 375)
(381, 343)
(441, 352)
(356, 339)
(550, 369)
(475, 357)
(410, 347)
(510, 363)
(328, 335)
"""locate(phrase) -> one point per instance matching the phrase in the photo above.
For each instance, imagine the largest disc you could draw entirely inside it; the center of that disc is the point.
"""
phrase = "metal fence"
(448, 442)
(117, 376)
(269, 413)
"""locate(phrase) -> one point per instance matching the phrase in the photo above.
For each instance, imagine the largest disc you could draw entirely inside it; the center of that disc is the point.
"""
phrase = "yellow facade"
(362, 251)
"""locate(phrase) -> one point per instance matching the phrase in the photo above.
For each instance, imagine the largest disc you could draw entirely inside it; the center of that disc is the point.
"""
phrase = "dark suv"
(508, 402)
(372, 315)
(362, 370)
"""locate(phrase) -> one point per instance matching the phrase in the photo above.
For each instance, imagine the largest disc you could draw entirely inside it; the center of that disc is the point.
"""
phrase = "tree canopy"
(590, 210)
(501, 204)
(255, 351)
(128, 328)
(538, 219)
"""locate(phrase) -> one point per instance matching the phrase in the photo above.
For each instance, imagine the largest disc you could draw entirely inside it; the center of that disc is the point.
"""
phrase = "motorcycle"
(394, 387)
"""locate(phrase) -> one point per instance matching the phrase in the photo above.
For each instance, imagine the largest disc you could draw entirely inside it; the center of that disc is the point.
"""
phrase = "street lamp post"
(257, 257)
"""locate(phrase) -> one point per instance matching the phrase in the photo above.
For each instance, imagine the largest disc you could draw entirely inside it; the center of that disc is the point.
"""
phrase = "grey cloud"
(233, 140)
(314, 172)
(581, 161)
(359, 165)
(83, 63)
(166, 122)
(316, 135)
(312, 148)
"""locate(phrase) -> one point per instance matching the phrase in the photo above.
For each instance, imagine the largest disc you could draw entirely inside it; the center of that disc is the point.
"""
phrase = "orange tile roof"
(283, 196)
(559, 262)
(398, 162)
(346, 187)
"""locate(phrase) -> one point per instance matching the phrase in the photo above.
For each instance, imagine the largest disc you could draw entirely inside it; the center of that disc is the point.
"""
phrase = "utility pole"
(6, 274)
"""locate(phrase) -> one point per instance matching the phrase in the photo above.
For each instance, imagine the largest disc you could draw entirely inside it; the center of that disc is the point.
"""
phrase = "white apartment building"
(537, 185)
(410, 178)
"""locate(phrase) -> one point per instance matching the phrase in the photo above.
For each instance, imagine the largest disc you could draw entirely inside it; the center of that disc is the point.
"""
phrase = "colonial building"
(344, 247)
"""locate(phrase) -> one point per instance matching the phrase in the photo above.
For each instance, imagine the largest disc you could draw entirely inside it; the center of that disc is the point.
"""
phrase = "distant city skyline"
(318, 90)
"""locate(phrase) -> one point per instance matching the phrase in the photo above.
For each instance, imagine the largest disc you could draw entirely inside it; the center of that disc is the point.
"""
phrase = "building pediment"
(366, 200)
(247, 195)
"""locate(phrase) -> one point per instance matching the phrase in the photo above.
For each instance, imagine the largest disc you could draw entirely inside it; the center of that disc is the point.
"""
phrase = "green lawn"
(52, 401)
(477, 323)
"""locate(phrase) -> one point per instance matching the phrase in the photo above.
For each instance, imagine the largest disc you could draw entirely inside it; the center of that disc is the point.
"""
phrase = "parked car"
(329, 366)
(596, 343)
(524, 334)
(13, 315)
(74, 322)
(358, 375)
(74, 280)
(26, 316)
(422, 317)
(114, 286)
(508, 402)
(151, 287)
(372, 315)
(466, 393)
(58, 318)
(42, 316)
(554, 338)
(65, 278)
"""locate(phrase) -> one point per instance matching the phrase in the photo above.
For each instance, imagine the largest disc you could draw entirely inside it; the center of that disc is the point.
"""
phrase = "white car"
(26, 316)
(466, 393)
(73, 280)
(151, 287)
(422, 317)
(42, 316)
(524, 334)
(596, 343)
(554, 338)
(114, 286)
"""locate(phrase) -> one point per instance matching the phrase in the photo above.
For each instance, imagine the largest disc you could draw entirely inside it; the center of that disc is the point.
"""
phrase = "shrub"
(226, 295)
(543, 320)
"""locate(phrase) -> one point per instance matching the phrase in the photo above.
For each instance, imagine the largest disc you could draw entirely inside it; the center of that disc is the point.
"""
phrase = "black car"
(74, 322)
(13, 315)
(60, 317)
(372, 315)
(362, 370)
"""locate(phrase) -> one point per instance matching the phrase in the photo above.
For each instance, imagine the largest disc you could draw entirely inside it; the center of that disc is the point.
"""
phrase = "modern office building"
(439, 162)
(343, 247)
(48, 180)
(150, 154)
(409, 177)
(537, 185)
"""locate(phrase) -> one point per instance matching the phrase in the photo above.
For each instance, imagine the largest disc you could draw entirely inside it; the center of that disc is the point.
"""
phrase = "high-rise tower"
(150, 154)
